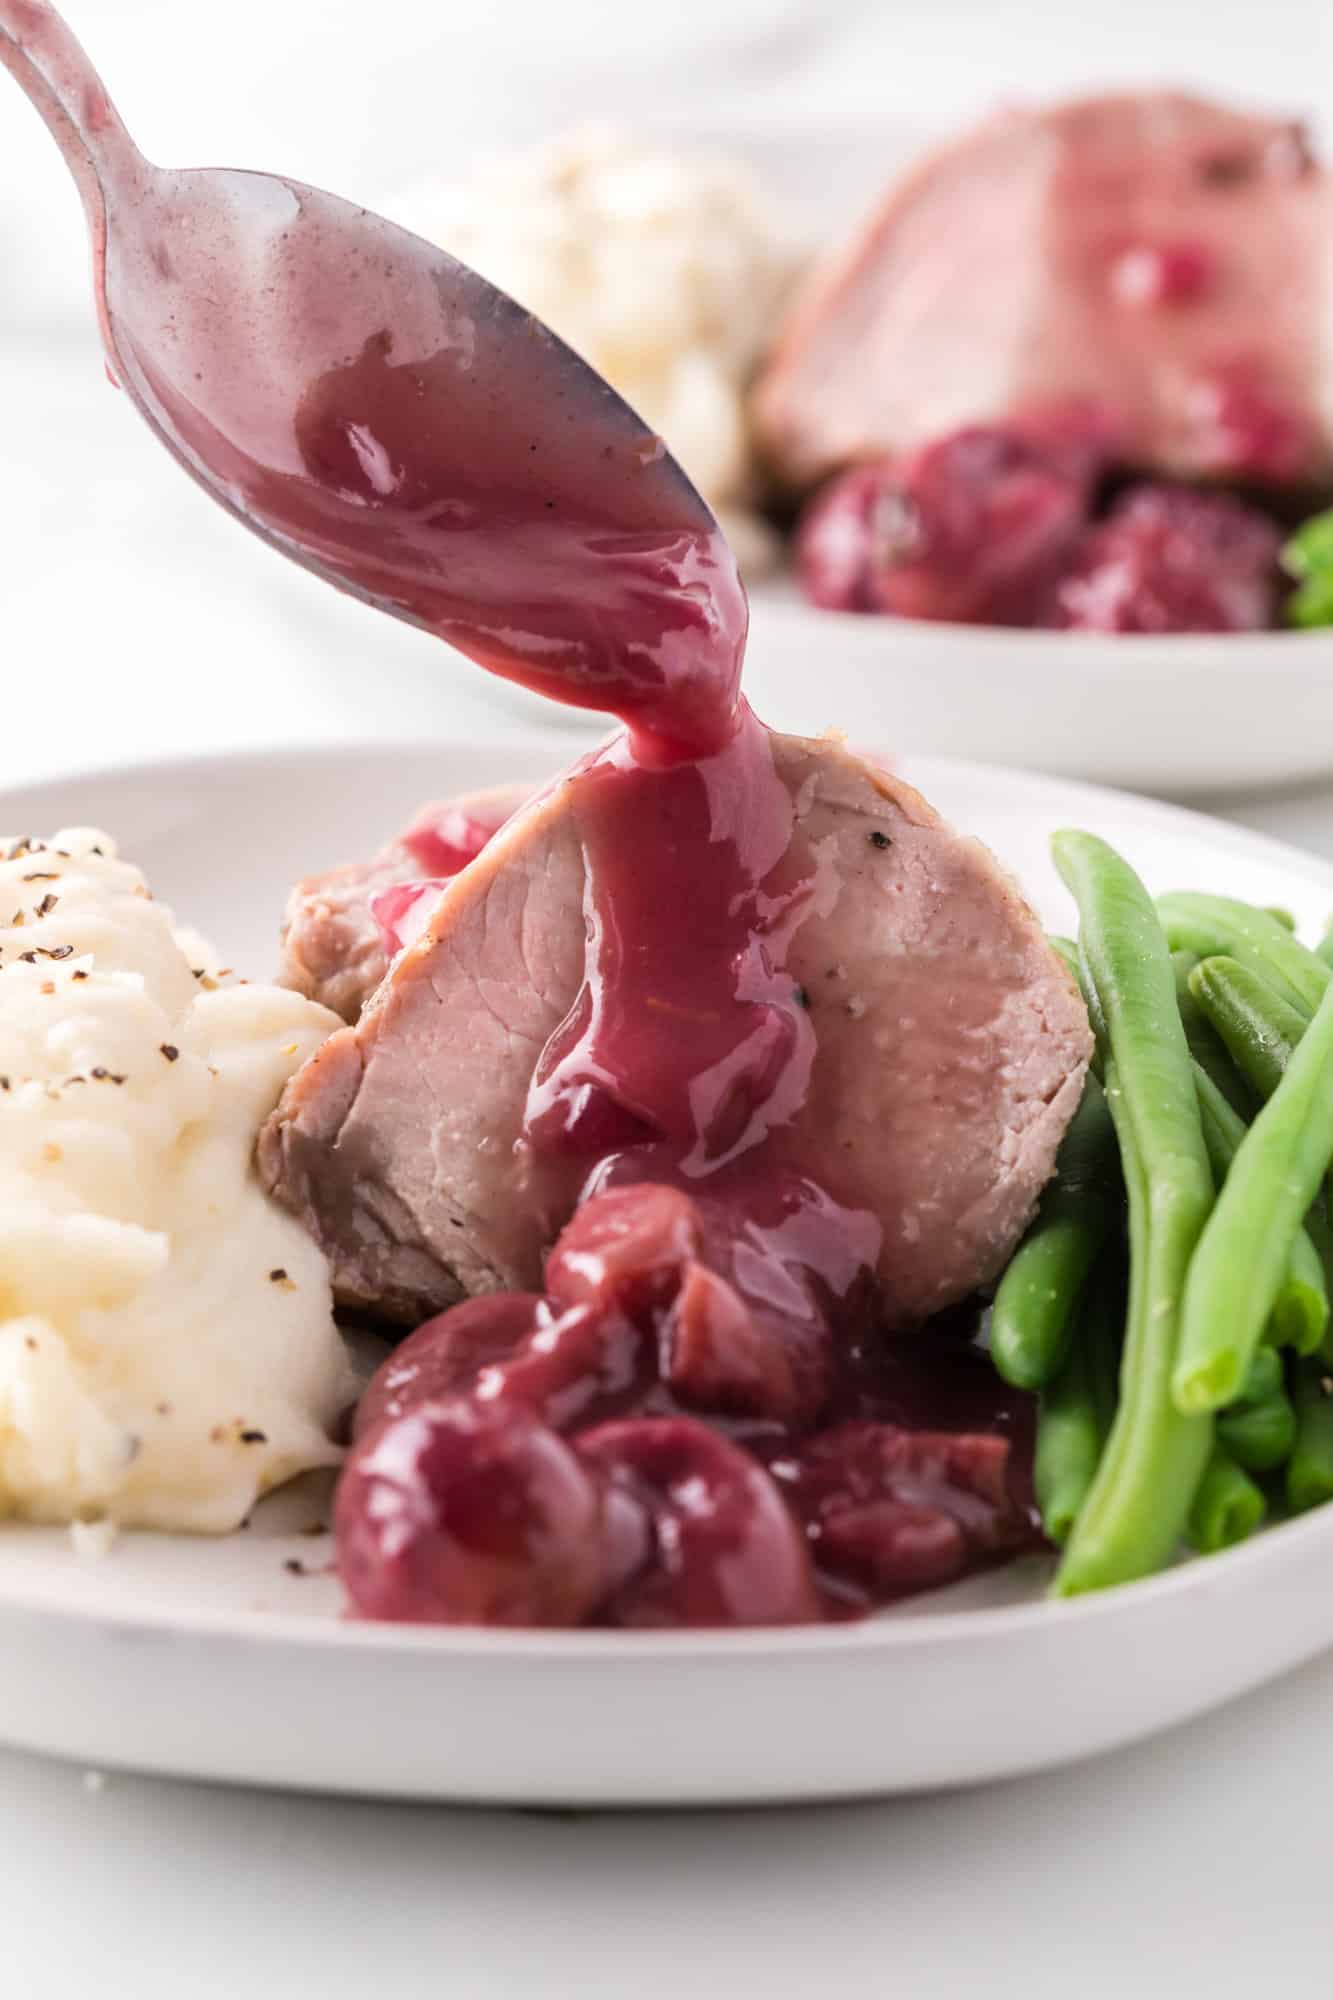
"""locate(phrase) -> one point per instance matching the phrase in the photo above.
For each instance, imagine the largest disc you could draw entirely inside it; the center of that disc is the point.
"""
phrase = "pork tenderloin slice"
(951, 1054)
(332, 946)
(1162, 256)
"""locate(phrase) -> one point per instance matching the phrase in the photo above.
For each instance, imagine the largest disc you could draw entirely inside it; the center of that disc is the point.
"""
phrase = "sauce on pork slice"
(468, 493)
(459, 481)
(816, 1486)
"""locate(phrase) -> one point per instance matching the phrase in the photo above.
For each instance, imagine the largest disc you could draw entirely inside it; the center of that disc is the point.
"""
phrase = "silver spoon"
(380, 413)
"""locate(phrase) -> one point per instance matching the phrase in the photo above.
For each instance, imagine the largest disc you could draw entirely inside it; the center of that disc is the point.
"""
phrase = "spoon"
(381, 414)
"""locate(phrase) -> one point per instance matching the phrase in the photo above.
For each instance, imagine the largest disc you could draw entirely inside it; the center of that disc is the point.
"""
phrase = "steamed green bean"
(1227, 1507)
(1156, 1453)
(1310, 1467)
(1212, 925)
(1257, 1026)
(1032, 1315)
(1301, 1311)
(1238, 1266)
(1259, 1428)
(1259, 1436)
(1069, 1443)
(1205, 1044)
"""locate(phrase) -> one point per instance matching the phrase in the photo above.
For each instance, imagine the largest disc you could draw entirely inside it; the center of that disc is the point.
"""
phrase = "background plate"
(215, 1659)
(1178, 713)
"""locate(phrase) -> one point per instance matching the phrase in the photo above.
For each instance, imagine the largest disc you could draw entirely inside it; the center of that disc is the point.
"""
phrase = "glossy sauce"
(472, 487)
(908, 1467)
(459, 486)
(374, 409)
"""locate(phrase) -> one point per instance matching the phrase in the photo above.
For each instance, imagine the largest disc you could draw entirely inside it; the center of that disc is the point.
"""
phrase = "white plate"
(1176, 714)
(213, 1659)
(1179, 715)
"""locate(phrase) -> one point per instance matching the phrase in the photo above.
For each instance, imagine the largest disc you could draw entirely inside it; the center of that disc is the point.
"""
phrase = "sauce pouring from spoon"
(381, 414)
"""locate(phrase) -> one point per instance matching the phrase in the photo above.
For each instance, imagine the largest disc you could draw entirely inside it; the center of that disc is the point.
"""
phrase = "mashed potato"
(167, 1345)
(664, 272)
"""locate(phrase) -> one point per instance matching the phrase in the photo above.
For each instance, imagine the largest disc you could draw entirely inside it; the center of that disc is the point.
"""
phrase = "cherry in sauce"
(461, 1514)
(905, 1464)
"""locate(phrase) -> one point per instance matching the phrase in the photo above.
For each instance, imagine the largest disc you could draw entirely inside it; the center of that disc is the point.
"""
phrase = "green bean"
(1256, 1024)
(1238, 1267)
(1205, 1044)
(1259, 1436)
(1156, 1453)
(1262, 1030)
(1032, 1316)
(1320, 1233)
(1304, 556)
(1264, 1381)
(1300, 1313)
(1069, 1444)
(1223, 1129)
(1310, 1467)
(1324, 948)
(1259, 1428)
(1077, 1407)
(1227, 1507)
(1216, 924)
(1104, 1331)
(1280, 916)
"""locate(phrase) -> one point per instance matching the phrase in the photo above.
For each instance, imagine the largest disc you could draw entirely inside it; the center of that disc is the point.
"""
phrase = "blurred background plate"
(1176, 714)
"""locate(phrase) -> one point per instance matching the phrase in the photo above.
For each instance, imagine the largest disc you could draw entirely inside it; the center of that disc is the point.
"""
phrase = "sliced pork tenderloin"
(1165, 258)
(333, 944)
(951, 1049)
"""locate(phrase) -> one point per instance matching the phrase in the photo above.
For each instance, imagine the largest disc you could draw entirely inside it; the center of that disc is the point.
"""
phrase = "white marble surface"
(136, 622)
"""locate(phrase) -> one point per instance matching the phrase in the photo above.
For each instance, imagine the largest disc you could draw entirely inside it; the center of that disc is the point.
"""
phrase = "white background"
(135, 620)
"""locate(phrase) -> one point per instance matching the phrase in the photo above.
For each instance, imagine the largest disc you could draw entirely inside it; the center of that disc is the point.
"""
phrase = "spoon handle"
(52, 69)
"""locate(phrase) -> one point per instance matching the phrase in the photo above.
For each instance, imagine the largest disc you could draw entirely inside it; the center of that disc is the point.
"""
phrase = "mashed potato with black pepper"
(167, 1345)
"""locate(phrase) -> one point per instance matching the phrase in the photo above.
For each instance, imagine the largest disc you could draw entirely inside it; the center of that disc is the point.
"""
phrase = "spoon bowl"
(381, 414)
